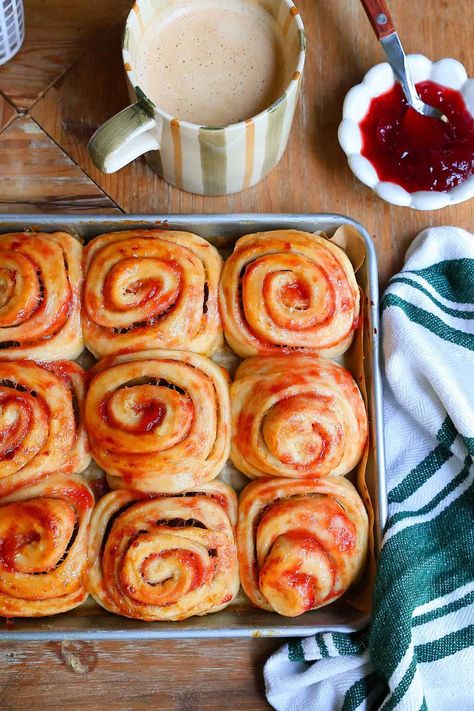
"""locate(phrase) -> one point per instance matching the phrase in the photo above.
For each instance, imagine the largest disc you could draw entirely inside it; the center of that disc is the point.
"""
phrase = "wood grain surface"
(7, 113)
(66, 80)
(37, 176)
(167, 676)
(57, 33)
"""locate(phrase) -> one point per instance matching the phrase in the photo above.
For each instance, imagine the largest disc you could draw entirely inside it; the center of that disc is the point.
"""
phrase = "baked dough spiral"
(40, 287)
(301, 544)
(43, 547)
(159, 421)
(41, 423)
(151, 289)
(164, 558)
(296, 416)
(288, 290)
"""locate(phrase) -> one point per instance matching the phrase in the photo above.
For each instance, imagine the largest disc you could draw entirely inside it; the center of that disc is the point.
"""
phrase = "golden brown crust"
(39, 406)
(296, 416)
(301, 544)
(159, 421)
(43, 547)
(41, 282)
(288, 290)
(164, 558)
(151, 289)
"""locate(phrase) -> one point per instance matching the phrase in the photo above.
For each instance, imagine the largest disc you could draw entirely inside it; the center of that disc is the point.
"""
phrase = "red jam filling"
(418, 152)
(152, 415)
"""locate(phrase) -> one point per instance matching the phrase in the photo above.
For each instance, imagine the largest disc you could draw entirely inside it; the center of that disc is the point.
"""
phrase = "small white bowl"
(378, 80)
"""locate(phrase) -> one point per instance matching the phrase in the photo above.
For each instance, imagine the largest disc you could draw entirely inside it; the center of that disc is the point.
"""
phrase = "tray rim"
(25, 221)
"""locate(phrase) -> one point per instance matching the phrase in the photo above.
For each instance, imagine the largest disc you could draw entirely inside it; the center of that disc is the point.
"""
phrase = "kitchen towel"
(419, 651)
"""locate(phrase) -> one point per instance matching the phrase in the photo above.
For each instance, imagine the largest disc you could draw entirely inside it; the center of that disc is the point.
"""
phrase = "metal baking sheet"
(240, 619)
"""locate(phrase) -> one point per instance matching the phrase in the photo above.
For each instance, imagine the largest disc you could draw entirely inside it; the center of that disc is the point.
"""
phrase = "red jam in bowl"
(415, 151)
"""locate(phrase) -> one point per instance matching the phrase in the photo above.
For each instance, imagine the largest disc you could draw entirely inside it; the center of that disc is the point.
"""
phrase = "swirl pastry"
(40, 286)
(41, 428)
(151, 289)
(296, 416)
(164, 558)
(43, 547)
(301, 544)
(288, 290)
(159, 421)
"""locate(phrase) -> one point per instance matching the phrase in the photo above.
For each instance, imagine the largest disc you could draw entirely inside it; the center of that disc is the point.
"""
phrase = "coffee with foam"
(213, 62)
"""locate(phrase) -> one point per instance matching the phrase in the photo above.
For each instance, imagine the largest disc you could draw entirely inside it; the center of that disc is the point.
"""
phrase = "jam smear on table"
(415, 151)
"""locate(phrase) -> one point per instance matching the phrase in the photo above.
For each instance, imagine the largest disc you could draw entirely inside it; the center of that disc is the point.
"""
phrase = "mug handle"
(123, 138)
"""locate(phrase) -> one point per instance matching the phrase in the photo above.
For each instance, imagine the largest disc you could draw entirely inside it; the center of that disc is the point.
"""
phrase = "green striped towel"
(419, 651)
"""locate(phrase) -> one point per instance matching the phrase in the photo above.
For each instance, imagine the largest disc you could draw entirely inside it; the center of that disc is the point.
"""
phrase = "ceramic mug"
(208, 160)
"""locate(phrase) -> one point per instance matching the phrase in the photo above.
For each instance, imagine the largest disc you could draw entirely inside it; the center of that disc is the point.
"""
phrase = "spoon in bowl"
(378, 13)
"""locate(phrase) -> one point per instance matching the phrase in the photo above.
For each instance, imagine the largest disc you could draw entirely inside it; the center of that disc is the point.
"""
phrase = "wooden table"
(67, 80)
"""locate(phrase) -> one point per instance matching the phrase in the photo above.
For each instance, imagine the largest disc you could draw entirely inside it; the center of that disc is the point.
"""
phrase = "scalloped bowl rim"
(378, 80)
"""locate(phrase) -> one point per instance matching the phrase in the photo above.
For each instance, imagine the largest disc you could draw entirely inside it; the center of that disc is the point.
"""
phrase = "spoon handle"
(379, 15)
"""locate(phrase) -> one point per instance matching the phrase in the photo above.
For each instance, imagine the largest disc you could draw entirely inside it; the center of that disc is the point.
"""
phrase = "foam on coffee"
(213, 62)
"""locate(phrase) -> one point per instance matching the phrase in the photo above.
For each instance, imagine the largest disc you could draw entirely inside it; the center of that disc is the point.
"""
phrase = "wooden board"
(37, 176)
(7, 113)
(56, 34)
(69, 79)
(222, 675)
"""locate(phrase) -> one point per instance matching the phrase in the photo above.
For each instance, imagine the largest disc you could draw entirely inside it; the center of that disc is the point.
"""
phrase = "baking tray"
(240, 619)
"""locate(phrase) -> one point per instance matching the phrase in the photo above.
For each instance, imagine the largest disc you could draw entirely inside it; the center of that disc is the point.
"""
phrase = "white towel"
(419, 651)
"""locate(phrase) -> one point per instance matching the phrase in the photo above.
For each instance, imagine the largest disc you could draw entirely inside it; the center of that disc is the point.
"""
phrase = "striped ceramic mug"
(200, 159)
